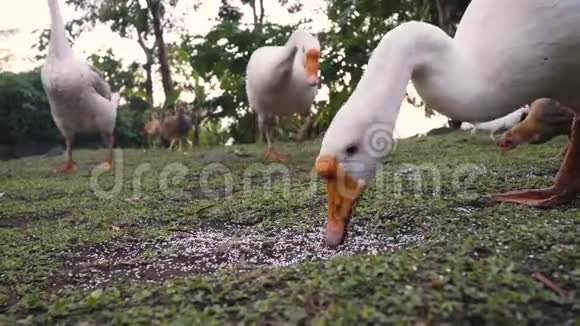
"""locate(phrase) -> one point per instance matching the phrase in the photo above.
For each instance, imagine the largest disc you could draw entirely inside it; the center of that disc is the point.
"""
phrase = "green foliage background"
(212, 66)
(24, 109)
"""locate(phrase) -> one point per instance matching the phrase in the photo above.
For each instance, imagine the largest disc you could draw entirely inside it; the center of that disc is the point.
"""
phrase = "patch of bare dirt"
(13, 222)
(23, 220)
(213, 249)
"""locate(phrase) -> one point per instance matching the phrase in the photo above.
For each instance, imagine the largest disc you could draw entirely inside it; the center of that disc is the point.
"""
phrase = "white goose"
(499, 60)
(283, 80)
(80, 99)
(503, 123)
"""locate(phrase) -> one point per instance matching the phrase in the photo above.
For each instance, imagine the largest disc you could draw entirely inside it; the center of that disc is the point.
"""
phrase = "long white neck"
(58, 44)
(424, 54)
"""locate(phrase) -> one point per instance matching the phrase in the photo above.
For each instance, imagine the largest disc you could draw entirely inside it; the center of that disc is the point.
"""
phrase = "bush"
(212, 134)
(128, 129)
(24, 110)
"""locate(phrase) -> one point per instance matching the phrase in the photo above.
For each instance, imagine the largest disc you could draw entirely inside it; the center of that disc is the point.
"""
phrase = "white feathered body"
(80, 100)
(276, 79)
(506, 54)
(269, 95)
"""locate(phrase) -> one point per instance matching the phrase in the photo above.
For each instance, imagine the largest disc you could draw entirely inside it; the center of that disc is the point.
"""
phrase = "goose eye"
(351, 150)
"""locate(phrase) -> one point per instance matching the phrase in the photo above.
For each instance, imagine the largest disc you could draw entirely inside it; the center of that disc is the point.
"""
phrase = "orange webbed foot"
(105, 166)
(540, 198)
(67, 167)
(273, 155)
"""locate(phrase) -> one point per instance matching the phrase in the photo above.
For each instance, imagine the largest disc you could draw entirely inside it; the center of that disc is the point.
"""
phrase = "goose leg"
(305, 130)
(260, 136)
(271, 152)
(261, 128)
(562, 154)
(107, 165)
(69, 165)
(566, 185)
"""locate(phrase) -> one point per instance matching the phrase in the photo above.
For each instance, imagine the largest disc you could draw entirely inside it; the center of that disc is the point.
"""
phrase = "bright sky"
(30, 15)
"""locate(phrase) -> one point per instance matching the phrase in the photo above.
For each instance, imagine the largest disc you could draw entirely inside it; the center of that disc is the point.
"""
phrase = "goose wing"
(99, 83)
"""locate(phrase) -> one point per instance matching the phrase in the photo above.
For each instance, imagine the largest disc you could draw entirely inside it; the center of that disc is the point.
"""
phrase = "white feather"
(276, 79)
(498, 61)
(80, 99)
(503, 123)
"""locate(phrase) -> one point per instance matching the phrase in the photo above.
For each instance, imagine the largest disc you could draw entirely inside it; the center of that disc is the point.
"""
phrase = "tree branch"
(261, 13)
(155, 8)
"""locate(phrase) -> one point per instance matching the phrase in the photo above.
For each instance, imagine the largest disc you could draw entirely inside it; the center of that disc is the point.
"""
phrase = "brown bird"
(547, 119)
(152, 129)
(176, 126)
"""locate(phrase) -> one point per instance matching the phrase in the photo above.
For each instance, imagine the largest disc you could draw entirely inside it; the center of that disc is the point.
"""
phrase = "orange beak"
(520, 134)
(343, 192)
(505, 143)
(312, 66)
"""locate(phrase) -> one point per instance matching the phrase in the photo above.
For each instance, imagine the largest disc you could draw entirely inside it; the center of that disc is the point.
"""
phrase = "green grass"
(474, 264)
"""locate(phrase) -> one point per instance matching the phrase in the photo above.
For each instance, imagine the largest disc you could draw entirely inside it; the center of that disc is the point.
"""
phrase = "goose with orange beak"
(497, 62)
(281, 81)
(547, 119)
(347, 160)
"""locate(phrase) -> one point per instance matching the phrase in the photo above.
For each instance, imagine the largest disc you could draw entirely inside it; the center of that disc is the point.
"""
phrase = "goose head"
(351, 150)
(307, 55)
(546, 119)
(522, 133)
